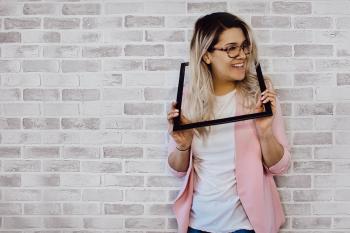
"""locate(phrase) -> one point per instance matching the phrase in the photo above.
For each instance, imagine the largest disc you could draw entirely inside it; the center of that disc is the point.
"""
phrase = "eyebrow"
(235, 43)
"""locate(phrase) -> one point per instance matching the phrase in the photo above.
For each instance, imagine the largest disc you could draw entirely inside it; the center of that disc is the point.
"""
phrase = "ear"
(207, 58)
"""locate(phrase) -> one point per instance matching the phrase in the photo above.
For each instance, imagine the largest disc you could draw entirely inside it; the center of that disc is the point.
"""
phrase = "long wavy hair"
(200, 98)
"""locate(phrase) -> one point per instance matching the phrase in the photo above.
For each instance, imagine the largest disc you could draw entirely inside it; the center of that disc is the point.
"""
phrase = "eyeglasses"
(234, 50)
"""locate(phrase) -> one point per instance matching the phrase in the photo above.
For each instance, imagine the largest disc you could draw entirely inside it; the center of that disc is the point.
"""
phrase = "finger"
(271, 99)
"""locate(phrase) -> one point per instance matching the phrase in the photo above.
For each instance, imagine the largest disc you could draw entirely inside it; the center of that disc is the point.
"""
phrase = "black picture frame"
(177, 126)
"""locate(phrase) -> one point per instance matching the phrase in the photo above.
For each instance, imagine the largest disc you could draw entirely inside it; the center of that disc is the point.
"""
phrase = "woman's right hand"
(183, 138)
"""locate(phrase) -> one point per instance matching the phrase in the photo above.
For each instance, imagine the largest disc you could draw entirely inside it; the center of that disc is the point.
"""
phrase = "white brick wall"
(85, 87)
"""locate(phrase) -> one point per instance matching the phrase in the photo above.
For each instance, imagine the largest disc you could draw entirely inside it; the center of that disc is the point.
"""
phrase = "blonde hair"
(199, 102)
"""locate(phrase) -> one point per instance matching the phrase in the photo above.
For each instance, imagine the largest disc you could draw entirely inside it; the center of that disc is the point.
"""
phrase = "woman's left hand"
(264, 124)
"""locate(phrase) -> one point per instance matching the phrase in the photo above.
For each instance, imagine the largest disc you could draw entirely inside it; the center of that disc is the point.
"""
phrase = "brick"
(22, 23)
(312, 195)
(122, 65)
(81, 65)
(106, 195)
(59, 109)
(342, 109)
(41, 152)
(81, 209)
(9, 8)
(341, 167)
(12, 94)
(61, 23)
(10, 152)
(312, 222)
(144, 167)
(205, 7)
(159, 209)
(10, 123)
(20, 51)
(276, 50)
(165, 35)
(145, 195)
(117, 36)
(21, 166)
(168, 7)
(104, 223)
(323, 7)
(49, 180)
(295, 8)
(342, 22)
(122, 94)
(293, 94)
(314, 109)
(162, 64)
(19, 137)
(294, 65)
(61, 51)
(143, 109)
(101, 167)
(297, 209)
(144, 21)
(81, 9)
(40, 94)
(331, 181)
(63, 222)
(145, 223)
(102, 22)
(11, 180)
(61, 166)
(123, 180)
(312, 167)
(80, 37)
(40, 66)
(57, 137)
(41, 123)
(124, 7)
(251, 7)
(313, 22)
(102, 51)
(61, 194)
(144, 50)
(332, 123)
(333, 152)
(319, 79)
(292, 36)
(80, 180)
(156, 123)
(162, 181)
(123, 123)
(295, 124)
(122, 152)
(9, 66)
(22, 222)
(180, 21)
(40, 9)
(342, 138)
(123, 209)
(40, 37)
(295, 181)
(80, 94)
(313, 50)
(75, 152)
(312, 138)
(332, 64)
(42, 209)
(341, 222)
(340, 93)
(22, 195)
(271, 22)
(81, 123)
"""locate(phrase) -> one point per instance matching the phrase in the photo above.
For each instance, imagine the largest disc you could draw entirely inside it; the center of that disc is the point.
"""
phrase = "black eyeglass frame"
(178, 126)
(227, 49)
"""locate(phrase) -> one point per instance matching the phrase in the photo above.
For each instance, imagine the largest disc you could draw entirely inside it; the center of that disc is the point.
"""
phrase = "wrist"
(265, 133)
(183, 148)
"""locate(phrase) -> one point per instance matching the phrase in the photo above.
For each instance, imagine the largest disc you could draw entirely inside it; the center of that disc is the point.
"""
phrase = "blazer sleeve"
(279, 132)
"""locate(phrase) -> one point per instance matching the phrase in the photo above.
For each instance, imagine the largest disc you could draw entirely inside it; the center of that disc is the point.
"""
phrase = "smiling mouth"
(238, 65)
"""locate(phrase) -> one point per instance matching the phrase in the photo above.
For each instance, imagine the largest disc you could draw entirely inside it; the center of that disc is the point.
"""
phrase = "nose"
(241, 54)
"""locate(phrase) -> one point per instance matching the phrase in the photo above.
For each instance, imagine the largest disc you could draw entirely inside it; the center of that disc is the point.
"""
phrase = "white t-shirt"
(216, 206)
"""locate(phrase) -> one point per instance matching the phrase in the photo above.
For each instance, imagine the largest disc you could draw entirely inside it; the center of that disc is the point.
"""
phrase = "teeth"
(238, 65)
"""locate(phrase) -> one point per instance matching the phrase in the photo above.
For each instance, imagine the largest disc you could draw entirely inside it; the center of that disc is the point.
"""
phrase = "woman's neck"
(223, 88)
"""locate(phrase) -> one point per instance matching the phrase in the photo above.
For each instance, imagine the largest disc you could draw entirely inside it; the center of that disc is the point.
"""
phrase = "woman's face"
(223, 67)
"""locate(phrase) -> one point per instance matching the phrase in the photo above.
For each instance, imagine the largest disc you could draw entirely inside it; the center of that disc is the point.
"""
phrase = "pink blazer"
(255, 184)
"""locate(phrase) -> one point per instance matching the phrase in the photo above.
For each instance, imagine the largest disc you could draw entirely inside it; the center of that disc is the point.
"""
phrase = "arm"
(275, 147)
(178, 161)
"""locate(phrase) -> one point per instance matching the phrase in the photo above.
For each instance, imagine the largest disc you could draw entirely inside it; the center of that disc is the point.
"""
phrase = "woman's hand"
(264, 124)
(183, 138)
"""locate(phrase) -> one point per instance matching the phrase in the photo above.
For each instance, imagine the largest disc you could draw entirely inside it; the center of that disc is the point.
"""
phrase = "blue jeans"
(192, 230)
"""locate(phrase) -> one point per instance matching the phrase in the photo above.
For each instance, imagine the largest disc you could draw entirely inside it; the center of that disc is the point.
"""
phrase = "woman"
(228, 168)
